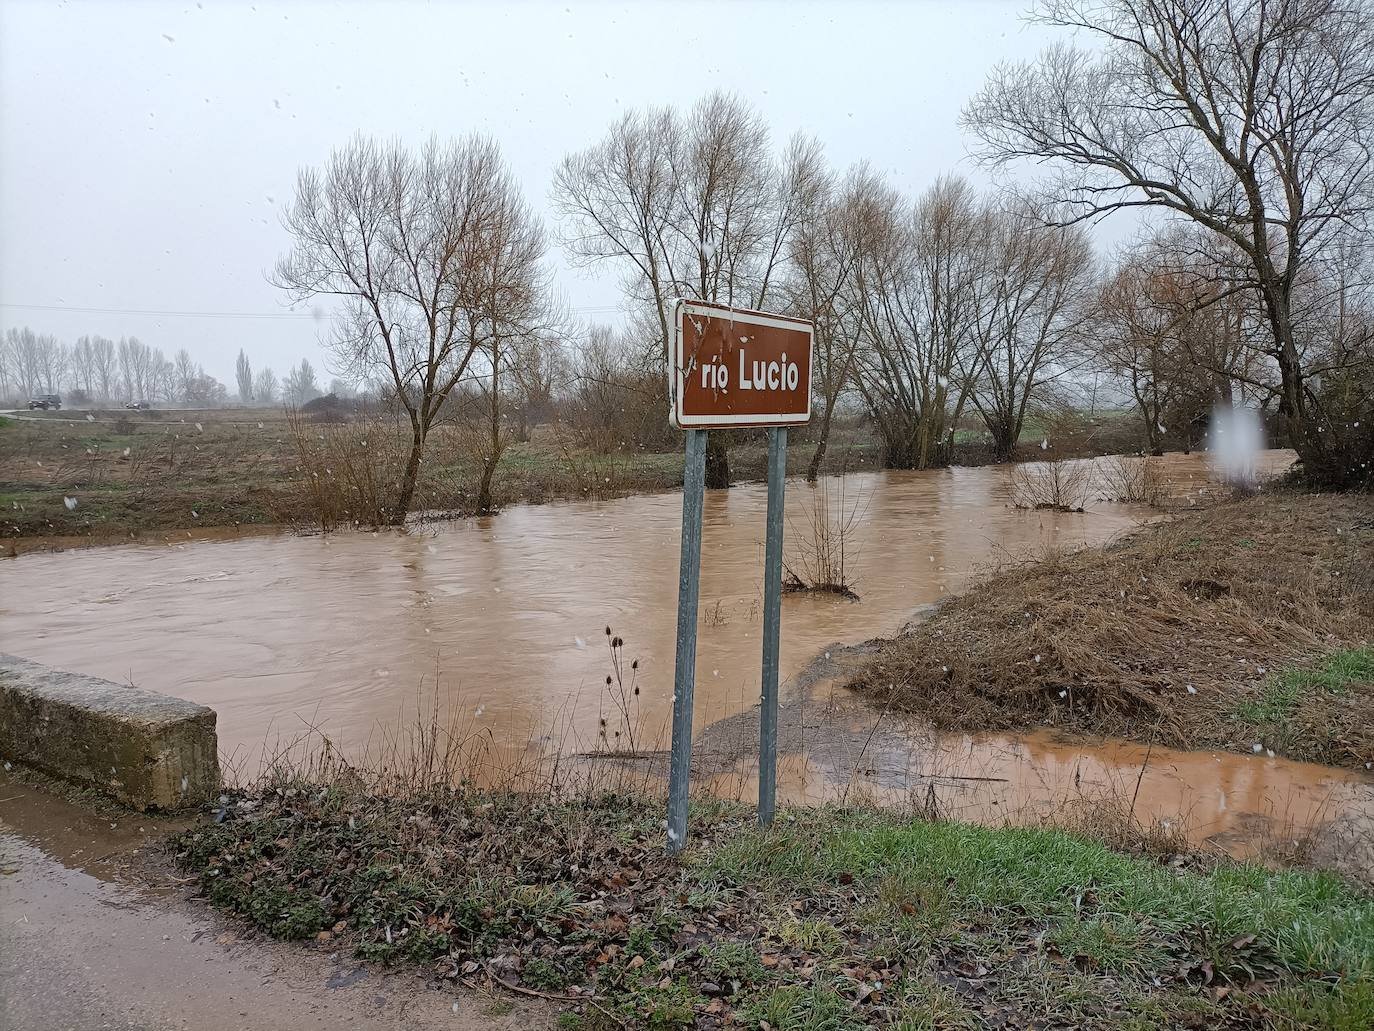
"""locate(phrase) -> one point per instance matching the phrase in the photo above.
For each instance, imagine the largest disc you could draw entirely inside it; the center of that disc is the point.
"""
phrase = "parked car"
(47, 402)
(138, 406)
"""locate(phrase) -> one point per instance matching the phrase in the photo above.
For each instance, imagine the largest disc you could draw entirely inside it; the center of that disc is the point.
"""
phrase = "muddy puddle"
(502, 622)
(97, 933)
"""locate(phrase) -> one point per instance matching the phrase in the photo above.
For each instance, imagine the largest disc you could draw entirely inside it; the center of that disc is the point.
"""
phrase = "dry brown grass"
(349, 472)
(1174, 628)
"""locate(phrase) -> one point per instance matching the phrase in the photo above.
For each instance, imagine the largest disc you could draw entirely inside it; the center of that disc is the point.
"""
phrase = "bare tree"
(163, 379)
(7, 366)
(821, 262)
(104, 365)
(1138, 346)
(243, 374)
(136, 369)
(53, 360)
(691, 206)
(265, 385)
(508, 315)
(402, 238)
(29, 359)
(1251, 118)
(539, 371)
(83, 365)
(1035, 298)
(184, 373)
(300, 385)
(916, 292)
(1181, 339)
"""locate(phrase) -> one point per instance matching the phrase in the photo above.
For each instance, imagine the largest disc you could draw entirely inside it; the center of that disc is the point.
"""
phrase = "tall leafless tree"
(243, 374)
(1035, 298)
(510, 315)
(693, 205)
(184, 373)
(403, 238)
(824, 250)
(83, 366)
(265, 385)
(1251, 118)
(104, 366)
(916, 294)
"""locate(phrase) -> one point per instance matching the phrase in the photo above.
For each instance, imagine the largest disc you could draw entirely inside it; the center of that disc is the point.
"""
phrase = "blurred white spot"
(579, 642)
(69, 502)
(1257, 748)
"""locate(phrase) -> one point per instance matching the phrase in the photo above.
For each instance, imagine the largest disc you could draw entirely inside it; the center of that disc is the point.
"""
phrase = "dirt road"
(96, 932)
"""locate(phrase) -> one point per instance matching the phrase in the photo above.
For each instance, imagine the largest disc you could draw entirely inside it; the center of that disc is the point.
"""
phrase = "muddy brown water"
(97, 933)
(502, 620)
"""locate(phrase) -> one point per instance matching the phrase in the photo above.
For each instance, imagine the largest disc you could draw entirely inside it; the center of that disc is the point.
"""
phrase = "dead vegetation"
(1181, 629)
(819, 559)
(1062, 485)
(350, 472)
(1132, 480)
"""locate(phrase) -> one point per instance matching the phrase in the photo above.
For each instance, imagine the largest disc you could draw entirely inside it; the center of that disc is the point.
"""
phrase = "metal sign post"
(772, 624)
(684, 670)
(731, 368)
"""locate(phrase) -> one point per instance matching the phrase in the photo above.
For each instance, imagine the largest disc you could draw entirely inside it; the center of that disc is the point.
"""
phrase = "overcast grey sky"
(146, 149)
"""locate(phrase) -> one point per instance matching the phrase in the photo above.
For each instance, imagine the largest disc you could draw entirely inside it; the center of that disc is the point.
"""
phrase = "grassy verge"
(1248, 624)
(834, 919)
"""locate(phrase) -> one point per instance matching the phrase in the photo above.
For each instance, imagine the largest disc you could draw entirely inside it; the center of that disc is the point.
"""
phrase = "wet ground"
(95, 932)
(502, 622)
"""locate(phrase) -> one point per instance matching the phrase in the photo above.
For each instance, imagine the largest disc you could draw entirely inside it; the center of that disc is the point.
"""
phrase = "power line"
(605, 309)
(162, 314)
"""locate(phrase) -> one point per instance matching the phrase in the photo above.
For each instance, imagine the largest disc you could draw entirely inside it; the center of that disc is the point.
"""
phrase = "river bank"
(1245, 626)
(77, 479)
(834, 918)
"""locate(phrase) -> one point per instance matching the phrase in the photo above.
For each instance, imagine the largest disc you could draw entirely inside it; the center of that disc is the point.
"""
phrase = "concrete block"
(148, 750)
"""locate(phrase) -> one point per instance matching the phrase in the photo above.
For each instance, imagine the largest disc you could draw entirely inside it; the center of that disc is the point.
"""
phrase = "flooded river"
(503, 621)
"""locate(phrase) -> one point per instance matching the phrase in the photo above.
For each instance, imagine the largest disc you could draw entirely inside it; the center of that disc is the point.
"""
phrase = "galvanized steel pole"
(772, 624)
(684, 674)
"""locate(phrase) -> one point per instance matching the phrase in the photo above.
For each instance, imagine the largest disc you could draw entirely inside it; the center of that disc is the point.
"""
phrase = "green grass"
(1282, 692)
(1122, 912)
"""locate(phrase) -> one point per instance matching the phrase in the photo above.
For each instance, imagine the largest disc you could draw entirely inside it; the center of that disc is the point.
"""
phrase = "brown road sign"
(733, 367)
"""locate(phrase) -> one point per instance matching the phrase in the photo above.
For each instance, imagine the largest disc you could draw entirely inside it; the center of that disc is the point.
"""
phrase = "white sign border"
(677, 378)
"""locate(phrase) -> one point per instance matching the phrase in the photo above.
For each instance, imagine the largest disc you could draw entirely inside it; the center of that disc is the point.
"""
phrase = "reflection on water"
(505, 616)
(1241, 803)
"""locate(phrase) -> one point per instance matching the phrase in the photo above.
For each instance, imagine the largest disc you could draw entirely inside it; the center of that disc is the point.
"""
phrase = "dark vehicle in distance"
(46, 402)
(138, 406)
